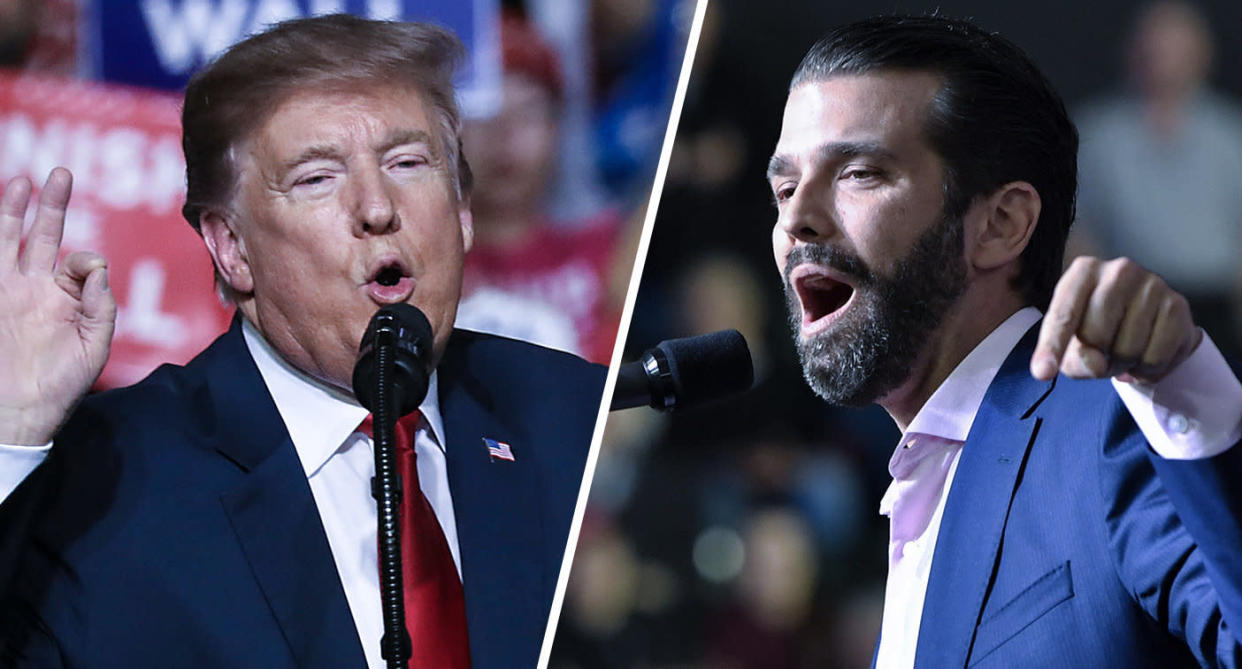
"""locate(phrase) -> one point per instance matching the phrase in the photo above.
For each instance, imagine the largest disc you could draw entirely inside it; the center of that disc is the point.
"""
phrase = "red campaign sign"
(123, 146)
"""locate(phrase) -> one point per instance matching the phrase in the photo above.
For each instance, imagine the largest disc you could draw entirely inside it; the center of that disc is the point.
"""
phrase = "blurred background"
(565, 105)
(747, 534)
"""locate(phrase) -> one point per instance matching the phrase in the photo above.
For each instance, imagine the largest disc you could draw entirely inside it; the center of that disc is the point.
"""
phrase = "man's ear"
(227, 249)
(1003, 225)
(467, 224)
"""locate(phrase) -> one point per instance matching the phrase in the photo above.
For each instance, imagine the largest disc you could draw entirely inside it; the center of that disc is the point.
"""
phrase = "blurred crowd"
(550, 268)
(1160, 168)
(748, 534)
(39, 35)
(556, 226)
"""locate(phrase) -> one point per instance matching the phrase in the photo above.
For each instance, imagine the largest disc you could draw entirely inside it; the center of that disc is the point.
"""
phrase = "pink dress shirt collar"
(950, 411)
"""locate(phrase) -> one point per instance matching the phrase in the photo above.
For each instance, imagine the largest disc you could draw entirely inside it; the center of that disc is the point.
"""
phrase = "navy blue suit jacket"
(173, 525)
(1067, 542)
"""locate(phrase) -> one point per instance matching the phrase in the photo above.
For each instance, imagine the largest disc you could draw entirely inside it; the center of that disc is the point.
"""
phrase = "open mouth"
(390, 282)
(822, 296)
(389, 275)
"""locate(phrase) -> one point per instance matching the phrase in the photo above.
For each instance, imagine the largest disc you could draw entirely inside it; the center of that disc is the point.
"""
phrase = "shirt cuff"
(16, 463)
(1194, 412)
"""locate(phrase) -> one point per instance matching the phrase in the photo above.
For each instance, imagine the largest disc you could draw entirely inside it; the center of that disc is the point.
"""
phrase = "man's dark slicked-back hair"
(996, 119)
(234, 95)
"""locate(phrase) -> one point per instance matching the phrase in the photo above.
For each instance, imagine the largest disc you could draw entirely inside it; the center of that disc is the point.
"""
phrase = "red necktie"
(435, 608)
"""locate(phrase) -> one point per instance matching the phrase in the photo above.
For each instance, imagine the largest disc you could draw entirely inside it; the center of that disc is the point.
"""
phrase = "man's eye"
(313, 180)
(783, 192)
(409, 162)
(860, 174)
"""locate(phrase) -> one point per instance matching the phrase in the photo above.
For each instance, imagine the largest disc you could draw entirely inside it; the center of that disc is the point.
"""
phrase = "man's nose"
(810, 215)
(373, 207)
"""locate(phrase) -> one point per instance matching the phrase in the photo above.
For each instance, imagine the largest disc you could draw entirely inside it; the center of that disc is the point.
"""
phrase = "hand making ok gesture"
(56, 320)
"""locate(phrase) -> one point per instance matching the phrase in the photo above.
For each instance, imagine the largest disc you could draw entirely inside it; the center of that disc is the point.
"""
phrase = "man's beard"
(873, 346)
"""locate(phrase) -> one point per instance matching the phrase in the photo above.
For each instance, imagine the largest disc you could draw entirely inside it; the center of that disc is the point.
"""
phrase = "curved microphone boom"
(678, 373)
(391, 379)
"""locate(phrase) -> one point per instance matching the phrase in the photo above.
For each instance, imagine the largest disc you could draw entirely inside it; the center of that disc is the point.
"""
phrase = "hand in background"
(56, 321)
(1113, 318)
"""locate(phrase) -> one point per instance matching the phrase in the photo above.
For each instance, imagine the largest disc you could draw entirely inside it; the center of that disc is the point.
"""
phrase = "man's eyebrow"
(779, 165)
(316, 152)
(853, 149)
(403, 136)
(395, 138)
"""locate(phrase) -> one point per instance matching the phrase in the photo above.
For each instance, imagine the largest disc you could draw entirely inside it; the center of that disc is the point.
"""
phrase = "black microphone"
(390, 380)
(407, 334)
(684, 372)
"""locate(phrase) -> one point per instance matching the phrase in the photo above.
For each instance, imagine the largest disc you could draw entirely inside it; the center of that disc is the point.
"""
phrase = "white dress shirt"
(1194, 412)
(339, 463)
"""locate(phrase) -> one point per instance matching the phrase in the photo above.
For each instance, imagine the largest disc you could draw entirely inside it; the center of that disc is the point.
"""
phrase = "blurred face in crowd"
(1171, 49)
(871, 263)
(345, 203)
(17, 26)
(513, 153)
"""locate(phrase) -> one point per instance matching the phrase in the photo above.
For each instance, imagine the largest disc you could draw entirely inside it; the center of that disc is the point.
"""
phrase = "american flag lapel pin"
(498, 450)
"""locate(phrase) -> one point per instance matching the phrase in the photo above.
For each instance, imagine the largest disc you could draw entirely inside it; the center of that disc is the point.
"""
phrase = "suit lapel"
(282, 536)
(273, 512)
(977, 510)
(499, 512)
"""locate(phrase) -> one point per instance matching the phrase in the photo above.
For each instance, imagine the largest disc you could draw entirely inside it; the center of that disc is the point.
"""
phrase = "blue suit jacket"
(173, 525)
(1067, 542)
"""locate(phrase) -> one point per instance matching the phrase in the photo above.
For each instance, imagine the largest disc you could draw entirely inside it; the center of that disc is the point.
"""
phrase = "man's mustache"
(834, 258)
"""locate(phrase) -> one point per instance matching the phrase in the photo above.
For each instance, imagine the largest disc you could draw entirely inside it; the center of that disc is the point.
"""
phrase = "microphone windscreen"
(708, 367)
(413, 328)
(411, 336)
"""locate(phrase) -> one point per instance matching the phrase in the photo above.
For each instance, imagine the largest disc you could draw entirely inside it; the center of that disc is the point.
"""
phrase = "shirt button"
(1178, 424)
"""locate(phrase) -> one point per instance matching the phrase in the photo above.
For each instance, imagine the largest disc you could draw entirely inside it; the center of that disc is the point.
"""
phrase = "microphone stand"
(386, 489)
(390, 379)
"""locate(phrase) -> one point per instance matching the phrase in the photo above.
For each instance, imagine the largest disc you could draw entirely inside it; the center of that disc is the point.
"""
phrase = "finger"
(1083, 361)
(12, 215)
(1116, 284)
(1172, 337)
(1069, 300)
(73, 271)
(98, 308)
(1136, 326)
(43, 242)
